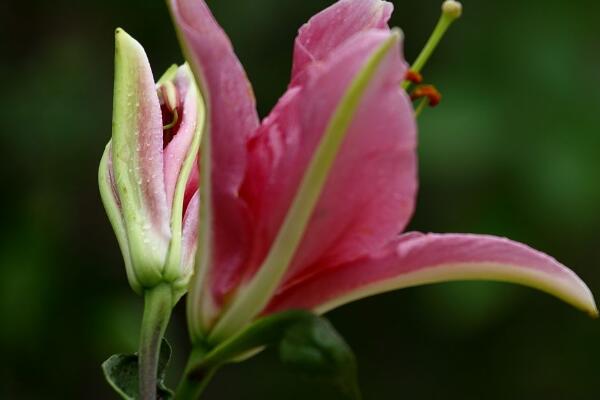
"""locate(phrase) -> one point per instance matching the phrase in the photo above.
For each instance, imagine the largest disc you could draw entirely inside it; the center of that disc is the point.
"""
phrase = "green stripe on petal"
(418, 259)
(570, 291)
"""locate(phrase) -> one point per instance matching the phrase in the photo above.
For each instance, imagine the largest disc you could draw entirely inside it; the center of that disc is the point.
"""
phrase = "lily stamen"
(428, 92)
(451, 11)
(414, 76)
(173, 122)
(429, 95)
(167, 93)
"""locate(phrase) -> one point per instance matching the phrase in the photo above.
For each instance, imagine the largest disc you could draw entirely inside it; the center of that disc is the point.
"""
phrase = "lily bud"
(148, 176)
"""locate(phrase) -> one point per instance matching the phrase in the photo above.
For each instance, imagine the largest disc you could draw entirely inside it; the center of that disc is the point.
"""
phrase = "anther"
(413, 77)
(167, 94)
(433, 96)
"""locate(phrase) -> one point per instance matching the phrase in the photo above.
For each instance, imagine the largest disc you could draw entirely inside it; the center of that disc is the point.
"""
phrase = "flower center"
(171, 110)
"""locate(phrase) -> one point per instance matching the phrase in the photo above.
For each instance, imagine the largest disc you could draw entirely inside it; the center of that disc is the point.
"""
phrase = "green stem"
(194, 380)
(420, 107)
(158, 303)
(451, 11)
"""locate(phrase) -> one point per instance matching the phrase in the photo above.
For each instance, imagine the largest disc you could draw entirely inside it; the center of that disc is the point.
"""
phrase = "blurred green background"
(512, 151)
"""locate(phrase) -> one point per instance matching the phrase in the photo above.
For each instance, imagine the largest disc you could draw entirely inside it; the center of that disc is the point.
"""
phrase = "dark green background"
(513, 150)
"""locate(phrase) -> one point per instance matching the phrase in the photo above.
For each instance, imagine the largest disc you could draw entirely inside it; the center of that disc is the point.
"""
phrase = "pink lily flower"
(148, 178)
(305, 209)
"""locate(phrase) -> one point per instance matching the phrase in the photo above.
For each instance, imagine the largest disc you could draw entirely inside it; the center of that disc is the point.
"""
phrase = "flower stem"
(158, 303)
(194, 380)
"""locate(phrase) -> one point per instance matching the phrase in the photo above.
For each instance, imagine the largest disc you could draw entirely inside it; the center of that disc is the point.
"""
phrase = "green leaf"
(306, 342)
(313, 347)
(121, 372)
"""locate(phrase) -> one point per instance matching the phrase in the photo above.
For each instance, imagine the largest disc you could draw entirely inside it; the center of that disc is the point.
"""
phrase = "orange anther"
(430, 92)
(413, 76)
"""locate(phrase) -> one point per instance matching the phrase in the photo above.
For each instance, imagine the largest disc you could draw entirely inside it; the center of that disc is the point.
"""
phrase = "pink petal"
(177, 150)
(369, 195)
(192, 185)
(417, 259)
(232, 119)
(225, 87)
(332, 27)
(190, 233)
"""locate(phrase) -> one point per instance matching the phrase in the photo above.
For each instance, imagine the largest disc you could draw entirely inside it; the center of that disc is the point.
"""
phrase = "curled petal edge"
(330, 28)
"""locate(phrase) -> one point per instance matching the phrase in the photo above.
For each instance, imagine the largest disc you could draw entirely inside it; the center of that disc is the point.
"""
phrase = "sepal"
(113, 209)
